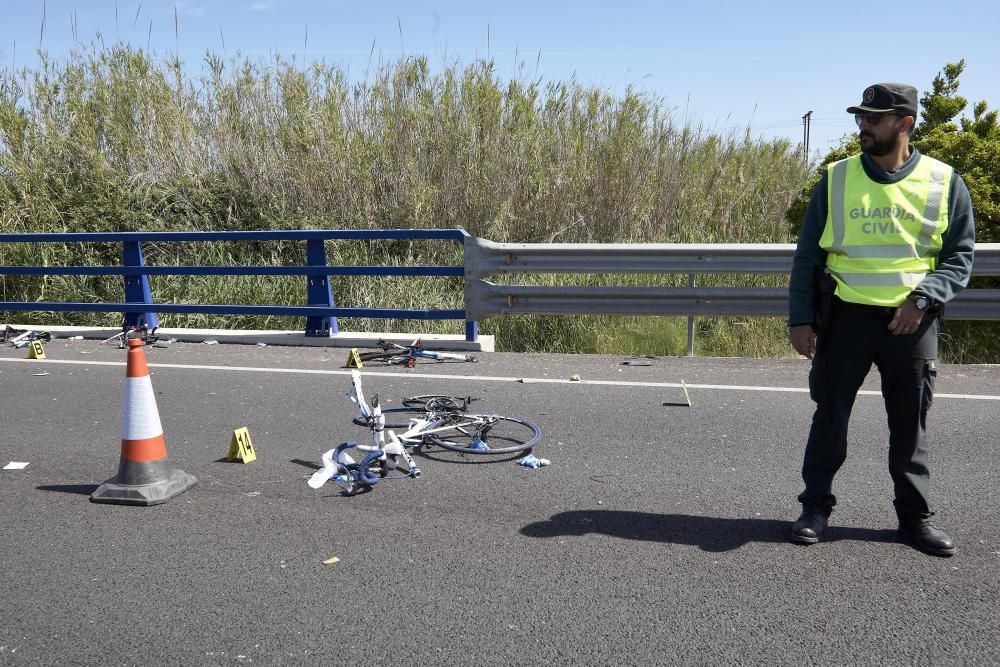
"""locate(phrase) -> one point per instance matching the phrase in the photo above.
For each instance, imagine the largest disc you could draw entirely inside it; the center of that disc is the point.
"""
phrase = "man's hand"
(803, 339)
(906, 320)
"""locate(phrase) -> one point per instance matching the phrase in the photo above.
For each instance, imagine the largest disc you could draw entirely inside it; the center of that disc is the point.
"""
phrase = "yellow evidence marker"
(353, 359)
(35, 350)
(241, 447)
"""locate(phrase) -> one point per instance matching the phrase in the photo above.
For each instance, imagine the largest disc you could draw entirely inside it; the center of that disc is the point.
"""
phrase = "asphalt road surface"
(658, 535)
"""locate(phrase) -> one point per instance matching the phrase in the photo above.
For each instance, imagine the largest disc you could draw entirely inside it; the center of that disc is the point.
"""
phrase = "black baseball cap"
(884, 97)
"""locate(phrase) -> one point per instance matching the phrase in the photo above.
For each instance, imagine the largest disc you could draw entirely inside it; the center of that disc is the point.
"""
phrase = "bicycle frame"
(380, 436)
(419, 428)
(350, 475)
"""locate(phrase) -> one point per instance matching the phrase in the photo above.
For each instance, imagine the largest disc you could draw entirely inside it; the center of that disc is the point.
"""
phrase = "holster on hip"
(824, 287)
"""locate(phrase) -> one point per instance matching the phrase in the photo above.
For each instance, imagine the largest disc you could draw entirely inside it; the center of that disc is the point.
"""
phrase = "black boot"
(808, 528)
(927, 538)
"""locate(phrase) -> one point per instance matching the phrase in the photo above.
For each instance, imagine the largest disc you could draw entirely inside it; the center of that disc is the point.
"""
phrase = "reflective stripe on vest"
(883, 238)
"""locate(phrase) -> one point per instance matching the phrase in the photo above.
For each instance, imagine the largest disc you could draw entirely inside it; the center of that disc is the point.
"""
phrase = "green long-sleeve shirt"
(953, 265)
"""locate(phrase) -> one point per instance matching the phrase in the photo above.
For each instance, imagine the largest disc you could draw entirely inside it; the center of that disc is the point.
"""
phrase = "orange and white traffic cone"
(144, 476)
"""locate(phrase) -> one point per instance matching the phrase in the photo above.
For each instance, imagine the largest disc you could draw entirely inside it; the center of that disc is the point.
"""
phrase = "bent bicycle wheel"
(487, 434)
(438, 403)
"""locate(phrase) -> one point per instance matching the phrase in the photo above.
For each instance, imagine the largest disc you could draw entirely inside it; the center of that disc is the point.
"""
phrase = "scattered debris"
(331, 560)
(210, 341)
(532, 461)
(75, 338)
(575, 377)
(38, 375)
(23, 337)
(638, 361)
(16, 465)
(261, 344)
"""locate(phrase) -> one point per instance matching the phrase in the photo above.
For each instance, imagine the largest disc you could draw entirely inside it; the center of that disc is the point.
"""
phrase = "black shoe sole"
(803, 539)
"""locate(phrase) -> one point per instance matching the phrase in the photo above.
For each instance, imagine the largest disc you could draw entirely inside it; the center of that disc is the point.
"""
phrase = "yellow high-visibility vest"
(883, 239)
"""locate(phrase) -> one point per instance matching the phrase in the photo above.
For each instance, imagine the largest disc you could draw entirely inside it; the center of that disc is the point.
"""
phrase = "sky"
(726, 65)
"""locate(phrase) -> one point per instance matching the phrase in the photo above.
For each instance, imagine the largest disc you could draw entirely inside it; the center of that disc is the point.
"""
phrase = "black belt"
(878, 311)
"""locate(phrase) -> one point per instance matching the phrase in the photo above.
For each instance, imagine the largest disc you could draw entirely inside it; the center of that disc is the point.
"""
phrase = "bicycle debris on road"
(24, 337)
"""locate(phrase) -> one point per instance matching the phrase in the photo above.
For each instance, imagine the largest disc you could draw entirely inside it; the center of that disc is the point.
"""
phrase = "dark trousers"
(855, 339)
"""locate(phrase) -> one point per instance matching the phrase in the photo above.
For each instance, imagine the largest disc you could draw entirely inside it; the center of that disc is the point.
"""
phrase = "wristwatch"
(922, 303)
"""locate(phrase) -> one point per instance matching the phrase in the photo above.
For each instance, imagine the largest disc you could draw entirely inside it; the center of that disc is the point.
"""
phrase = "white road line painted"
(483, 378)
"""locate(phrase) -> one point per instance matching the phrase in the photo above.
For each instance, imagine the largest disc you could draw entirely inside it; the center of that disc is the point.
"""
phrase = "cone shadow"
(79, 489)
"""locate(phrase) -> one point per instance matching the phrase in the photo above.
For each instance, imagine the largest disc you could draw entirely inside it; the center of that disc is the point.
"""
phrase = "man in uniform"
(887, 241)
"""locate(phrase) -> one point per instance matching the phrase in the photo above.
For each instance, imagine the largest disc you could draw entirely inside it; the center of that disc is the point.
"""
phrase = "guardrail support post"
(318, 292)
(690, 322)
(470, 263)
(472, 330)
(137, 288)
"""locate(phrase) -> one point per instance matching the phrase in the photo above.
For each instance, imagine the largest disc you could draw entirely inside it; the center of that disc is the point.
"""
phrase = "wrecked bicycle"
(433, 420)
(444, 421)
(394, 353)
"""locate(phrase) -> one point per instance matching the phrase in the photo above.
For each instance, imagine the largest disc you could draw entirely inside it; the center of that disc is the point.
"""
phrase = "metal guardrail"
(320, 312)
(482, 259)
(486, 258)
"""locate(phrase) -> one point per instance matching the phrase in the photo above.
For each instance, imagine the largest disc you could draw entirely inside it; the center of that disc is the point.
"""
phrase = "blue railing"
(320, 311)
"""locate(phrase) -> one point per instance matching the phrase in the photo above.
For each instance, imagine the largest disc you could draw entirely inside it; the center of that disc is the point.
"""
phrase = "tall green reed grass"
(118, 139)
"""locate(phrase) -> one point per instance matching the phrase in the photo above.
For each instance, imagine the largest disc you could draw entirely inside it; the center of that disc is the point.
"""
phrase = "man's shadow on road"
(707, 533)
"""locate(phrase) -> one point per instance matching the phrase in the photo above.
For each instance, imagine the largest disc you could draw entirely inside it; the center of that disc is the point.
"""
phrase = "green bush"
(115, 139)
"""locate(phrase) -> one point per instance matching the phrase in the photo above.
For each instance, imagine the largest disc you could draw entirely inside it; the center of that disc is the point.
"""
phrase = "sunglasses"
(872, 118)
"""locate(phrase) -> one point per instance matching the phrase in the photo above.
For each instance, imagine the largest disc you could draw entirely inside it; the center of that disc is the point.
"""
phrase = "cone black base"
(153, 493)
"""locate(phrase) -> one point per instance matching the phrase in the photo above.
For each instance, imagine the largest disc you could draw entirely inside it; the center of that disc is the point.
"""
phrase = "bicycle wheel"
(438, 403)
(416, 405)
(381, 356)
(486, 434)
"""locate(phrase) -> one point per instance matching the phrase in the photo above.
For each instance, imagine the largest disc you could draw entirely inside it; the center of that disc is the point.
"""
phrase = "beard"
(879, 147)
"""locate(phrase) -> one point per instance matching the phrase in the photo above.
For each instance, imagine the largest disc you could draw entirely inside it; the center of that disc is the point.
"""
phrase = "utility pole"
(806, 122)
